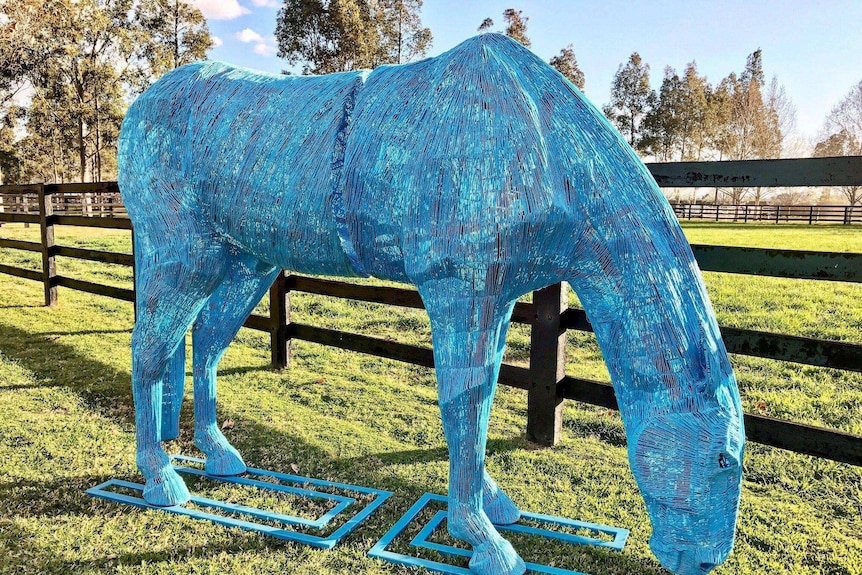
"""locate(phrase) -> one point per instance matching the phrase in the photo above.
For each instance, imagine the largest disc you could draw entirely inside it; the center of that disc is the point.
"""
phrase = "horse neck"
(646, 301)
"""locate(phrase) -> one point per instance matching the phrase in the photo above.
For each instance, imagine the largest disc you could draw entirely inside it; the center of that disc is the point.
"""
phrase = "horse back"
(253, 156)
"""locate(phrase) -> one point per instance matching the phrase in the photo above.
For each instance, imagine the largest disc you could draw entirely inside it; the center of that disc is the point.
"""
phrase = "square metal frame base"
(300, 488)
(422, 539)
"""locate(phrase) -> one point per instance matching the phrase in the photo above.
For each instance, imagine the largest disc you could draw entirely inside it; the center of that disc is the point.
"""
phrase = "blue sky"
(814, 47)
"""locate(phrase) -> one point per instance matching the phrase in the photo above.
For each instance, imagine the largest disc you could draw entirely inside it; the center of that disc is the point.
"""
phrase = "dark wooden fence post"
(134, 279)
(49, 266)
(547, 366)
(279, 313)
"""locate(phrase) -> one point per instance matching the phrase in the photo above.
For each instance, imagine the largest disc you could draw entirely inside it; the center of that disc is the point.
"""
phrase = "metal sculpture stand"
(421, 540)
(107, 490)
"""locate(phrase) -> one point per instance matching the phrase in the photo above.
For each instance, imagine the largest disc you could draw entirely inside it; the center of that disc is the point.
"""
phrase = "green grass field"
(66, 424)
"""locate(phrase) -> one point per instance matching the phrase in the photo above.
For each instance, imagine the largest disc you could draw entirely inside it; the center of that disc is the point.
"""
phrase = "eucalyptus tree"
(339, 35)
(169, 34)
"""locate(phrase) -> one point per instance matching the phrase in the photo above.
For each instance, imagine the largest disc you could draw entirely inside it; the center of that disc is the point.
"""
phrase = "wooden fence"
(548, 315)
(774, 214)
(100, 199)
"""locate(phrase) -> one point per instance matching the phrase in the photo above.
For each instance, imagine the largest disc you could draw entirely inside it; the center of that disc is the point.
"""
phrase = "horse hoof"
(226, 463)
(166, 489)
(498, 558)
(501, 510)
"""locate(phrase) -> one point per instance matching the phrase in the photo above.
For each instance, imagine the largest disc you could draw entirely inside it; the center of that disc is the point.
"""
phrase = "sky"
(813, 47)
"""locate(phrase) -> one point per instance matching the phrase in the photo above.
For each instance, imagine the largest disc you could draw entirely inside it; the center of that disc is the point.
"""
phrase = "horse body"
(477, 176)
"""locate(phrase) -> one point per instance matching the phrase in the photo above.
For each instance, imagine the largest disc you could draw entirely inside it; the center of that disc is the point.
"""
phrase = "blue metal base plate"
(422, 539)
(301, 486)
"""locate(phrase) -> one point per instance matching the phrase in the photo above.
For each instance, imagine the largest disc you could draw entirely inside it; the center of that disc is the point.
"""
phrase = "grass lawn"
(67, 420)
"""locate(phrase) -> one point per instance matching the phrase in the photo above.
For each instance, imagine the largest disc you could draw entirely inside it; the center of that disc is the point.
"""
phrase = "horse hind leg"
(466, 332)
(165, 313)
(499, 508)
(245, 284)
(172, 281)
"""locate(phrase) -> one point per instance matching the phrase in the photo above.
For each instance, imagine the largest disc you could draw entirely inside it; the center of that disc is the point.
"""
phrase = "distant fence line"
(774, 214)
(100, 199)
(549, 317)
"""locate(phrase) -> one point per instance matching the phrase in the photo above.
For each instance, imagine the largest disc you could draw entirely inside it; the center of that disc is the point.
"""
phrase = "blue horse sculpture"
(477, 176)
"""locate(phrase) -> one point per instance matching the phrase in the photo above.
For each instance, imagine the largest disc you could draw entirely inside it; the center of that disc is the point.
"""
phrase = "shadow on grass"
(107, 391)
(83, 332)
(28, 543)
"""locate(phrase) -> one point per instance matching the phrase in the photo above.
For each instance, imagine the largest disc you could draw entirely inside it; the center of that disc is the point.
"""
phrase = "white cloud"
(248, 35)
(264, 49)
(217, 41)
(221, 9)
(265, 3)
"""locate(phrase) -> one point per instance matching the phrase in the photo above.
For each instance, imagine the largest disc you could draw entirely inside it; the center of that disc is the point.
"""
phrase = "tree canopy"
(341, 35)
(842, 136)
(567, 65)
(631, 98)
(82, 60)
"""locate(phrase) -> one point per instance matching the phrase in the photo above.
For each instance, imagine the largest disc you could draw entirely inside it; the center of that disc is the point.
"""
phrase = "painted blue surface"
(477, 176)
(421, 539)
(342, 503)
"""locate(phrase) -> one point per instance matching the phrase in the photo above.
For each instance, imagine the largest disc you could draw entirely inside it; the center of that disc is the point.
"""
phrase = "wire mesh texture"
(478, 175)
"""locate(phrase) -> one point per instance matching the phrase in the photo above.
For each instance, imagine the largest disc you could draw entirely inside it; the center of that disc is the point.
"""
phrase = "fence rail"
(548, 315)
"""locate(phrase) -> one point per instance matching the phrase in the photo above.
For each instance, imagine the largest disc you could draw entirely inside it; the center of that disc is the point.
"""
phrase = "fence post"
(745, 221)
(279, 313)
(547, 366)
(134, 278)
(847, 218)
(49, 266)
(777, 213)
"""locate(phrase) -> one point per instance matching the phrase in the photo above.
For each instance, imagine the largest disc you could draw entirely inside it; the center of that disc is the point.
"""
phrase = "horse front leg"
(466, 332)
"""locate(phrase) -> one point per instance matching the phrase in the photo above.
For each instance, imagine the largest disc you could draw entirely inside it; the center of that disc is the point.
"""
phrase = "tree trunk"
(176, 34)
(82, 152)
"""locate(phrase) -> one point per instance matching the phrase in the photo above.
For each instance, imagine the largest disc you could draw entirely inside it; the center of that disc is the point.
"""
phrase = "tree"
(10, 156)
(404, 37)
(842, 136)
(516, 26)
(486, 25)
(567, 65)
(98, 50)
(694, 120)
(846, 116)
(340, 35)
(29, 37)
(781, 119)
(631, 97)
(662, 125)
(752, 126)
(170, 33)
(755, 130)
